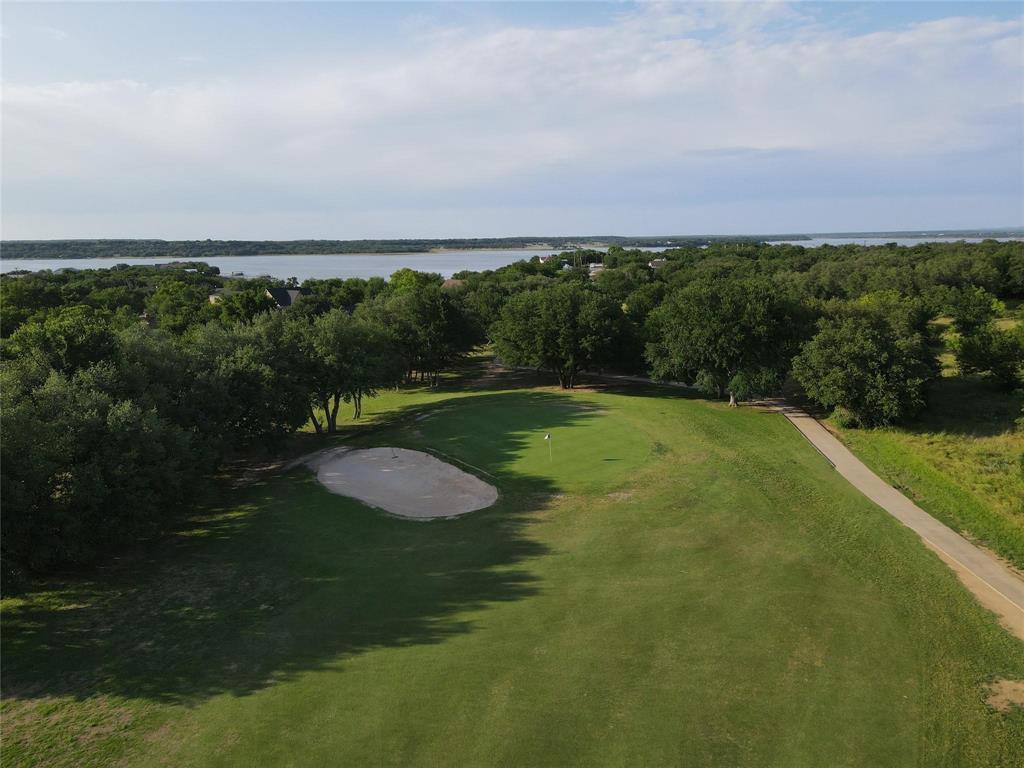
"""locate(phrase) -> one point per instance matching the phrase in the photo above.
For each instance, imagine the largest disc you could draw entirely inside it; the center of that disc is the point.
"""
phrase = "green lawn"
(680, 584)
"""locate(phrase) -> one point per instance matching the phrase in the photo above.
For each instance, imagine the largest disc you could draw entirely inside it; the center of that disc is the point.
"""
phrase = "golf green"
(667, 581)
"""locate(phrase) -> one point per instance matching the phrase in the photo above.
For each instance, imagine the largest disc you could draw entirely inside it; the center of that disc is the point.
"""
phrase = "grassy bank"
(962, 459)
(675, 583)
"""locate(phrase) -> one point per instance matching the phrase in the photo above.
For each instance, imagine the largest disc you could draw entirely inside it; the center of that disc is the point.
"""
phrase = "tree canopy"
(726, 336)
(564, 328)
(862, 363)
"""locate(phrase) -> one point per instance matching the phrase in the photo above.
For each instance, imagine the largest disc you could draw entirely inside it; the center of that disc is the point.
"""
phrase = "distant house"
(595, 270)
(452, 284)
(285, 297)
(657, 263)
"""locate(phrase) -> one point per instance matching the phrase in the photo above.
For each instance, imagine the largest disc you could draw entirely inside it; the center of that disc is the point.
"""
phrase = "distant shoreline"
(197, 250)
(182, 257)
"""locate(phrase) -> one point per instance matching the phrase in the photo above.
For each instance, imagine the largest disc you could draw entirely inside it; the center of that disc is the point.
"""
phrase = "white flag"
(547, 436)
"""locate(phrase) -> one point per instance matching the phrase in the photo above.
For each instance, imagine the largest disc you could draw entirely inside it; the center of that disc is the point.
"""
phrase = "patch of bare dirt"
(493, 377)
(546, 497)
(1004, 695)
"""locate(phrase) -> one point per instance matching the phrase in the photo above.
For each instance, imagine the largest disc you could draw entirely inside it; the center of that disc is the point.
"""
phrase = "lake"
(366, 265)
(363, 265)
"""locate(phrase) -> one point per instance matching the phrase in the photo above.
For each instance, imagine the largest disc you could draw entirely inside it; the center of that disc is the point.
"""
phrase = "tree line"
(124, 389)
(193, 250)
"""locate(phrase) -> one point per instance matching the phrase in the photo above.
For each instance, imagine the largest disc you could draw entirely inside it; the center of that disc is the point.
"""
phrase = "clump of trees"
(430, 327)
(869, 369)
(733, 337)
(96, 455)
(114, 417)
(564, 328)
(123, 389)
(993, 352)
(979, 345)
(335, 358)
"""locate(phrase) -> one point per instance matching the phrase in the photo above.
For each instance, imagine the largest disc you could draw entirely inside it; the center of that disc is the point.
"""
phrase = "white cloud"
(466, 108)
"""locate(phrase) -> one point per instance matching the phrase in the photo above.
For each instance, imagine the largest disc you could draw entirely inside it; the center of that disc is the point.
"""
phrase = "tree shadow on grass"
(967, 405)
(285, 578)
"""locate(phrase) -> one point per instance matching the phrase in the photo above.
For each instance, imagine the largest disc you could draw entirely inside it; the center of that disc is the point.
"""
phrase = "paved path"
(995, 585)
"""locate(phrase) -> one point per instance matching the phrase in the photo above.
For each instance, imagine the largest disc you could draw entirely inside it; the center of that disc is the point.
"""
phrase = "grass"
(1013, 316)
(680, 583)
(961, 460)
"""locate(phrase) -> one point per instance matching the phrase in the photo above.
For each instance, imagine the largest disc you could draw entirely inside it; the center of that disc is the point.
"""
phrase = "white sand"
(413, 484)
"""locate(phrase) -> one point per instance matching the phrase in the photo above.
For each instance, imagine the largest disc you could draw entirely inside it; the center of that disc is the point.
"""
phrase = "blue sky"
(349, 120)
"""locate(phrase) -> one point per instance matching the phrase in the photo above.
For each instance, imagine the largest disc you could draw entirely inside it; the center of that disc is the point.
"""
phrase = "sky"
(384, 120)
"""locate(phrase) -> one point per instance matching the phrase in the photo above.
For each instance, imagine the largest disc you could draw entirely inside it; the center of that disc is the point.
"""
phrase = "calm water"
(362, 265)
(367, 265)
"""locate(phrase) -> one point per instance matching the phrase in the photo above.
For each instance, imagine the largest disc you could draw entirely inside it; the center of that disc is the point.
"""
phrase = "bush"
(845, 418)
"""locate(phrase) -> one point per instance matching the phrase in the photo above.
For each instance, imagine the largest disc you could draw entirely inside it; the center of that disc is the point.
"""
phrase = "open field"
(679, 583)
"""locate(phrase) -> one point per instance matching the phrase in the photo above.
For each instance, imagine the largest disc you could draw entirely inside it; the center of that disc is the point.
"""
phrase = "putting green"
(677, 584)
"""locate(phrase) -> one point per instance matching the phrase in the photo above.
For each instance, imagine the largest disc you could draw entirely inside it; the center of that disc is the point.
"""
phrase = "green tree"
(243, 306)
(71, 337)
(564, 328)
(342, 359)
(83, 469)
(432, 329)
(993, 352)
(860, 362)
(726, 336)
(408, 280)
(244, 382)
(372, 364)
(972, 308)
(178, 305)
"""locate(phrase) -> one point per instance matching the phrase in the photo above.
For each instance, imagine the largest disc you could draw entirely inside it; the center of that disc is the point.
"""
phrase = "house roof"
(285, 297)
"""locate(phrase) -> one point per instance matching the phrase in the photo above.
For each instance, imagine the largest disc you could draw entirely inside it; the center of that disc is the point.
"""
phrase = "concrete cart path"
(997, 586)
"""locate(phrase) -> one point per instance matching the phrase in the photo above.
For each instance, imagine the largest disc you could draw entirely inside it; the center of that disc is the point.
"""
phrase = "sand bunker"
(406, 483)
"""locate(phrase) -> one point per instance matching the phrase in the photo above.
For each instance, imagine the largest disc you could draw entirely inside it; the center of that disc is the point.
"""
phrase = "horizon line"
(775, 235)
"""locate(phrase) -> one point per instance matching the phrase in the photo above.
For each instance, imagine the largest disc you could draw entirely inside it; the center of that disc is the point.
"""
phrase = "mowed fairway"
(678, 584)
